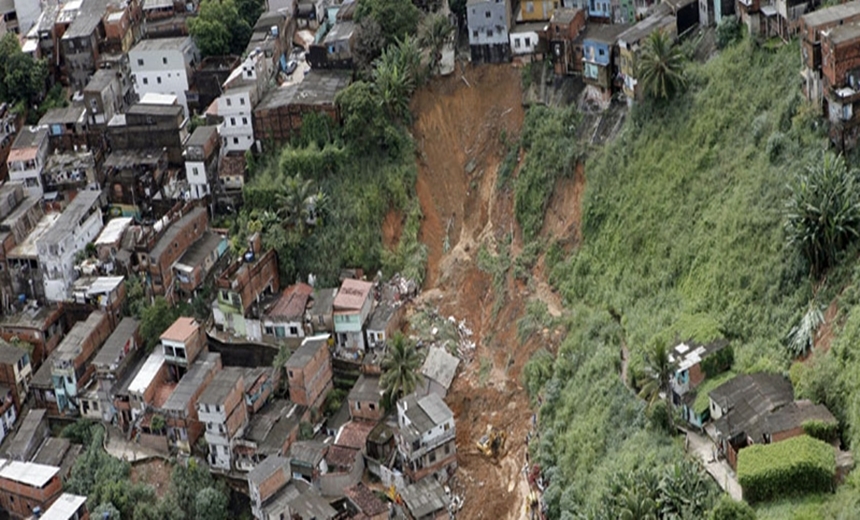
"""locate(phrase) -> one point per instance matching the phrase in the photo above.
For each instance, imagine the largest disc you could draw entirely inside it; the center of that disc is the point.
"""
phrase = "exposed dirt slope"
(459, 122)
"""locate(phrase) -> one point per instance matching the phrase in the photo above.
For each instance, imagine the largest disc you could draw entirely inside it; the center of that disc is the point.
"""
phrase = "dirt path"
(460, 130)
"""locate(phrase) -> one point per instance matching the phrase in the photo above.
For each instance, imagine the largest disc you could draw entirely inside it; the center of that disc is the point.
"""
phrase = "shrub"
(718, 362)
(660, 416)
(728, 31)
(728, 509)
(825, 431)
(793, 467)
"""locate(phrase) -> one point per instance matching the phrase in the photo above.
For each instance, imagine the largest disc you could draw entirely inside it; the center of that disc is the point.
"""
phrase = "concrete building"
(309, 372)
(241, 288)
(181, 343)
(142, 388)
(72, 366)
(103, 97)
(426, 500)
(112, 362)
(183, 426)
(15, 372)
(78, 225)
(25, 486)
(157, 260)
(285, 318)
(193, 268)
(352, 307)
(19, 16)
(79, 45)
(157, 122)
(40, 326)
(221, 407)
(164, 66)
(426, 437)
(812, 26)
(265, 480)
(27, 159)
(136, 180)
(202, 151)
(489, 22)
(365, 399)
(241, 92)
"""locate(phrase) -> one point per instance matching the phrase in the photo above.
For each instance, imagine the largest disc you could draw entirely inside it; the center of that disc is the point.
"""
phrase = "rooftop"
(146, 375)
(87, 20)
(27, 248)
(18, 449)
(427, 412)
(71, 346)
(842, 33)
(65, 507)
(352, 295)
(273, 424)
(161, 44)
(52, 451)
(221, 385)
(291, 305)
(323, 301)
(200, 250)
(425, 497)
(342, 30)
(70, 115)
(174, 230)
(124, 159)
(28, 473)
(269, 466)
(95, 285)
(318, 88)
(201, 135)
(149, 109)
(310, 346)
(42, 377)
(366, 389)
(688, 354)
(116, 343)
(10, 354)
(72, 216)
(354, 434)
(181, 330)
(642, 29)
(748, 398)
(29, 137)
(341, 457)
(307, 453)
(563, 15)
(112, 232)
(101, 79)
(191, 382)
(365, 500)
(604, 33)
(831, 15)
(440, 366)
(381, 316)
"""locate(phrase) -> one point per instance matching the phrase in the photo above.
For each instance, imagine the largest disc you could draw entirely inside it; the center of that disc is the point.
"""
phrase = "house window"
(516, 43)
(357, 405)
(146, 81)
(447, 449)
(229, 103)
(372, 406)
(474, 34)
(489, 33)
(244, 120)
(269, 331)
(446, 427)
(487, 14)
(294, 331)
(164, 60)
(194, 170)
(140, 62)
(432, 457)
(530, 7)
(528, 42)
(158, 80)
(241, 101)
(601, 52)
(235, 140)
(232, 121)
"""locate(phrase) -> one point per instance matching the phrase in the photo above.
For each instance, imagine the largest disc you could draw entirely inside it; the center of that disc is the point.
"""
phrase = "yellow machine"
(492, 444)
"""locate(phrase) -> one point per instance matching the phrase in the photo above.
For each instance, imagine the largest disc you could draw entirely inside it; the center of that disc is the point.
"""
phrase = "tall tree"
(211, 504)
(434, 33)
(396, 18)
(658, 373)
(369, 42)
(155, 319)
(661, 66)
(823, 211)
(400, 365)
(219, 28)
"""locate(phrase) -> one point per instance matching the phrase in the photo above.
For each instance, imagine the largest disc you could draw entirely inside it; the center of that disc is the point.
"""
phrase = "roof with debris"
(365, 500)
(323, 301)
(425, 498)
(440, 366)
(291, 305)
(354, 434)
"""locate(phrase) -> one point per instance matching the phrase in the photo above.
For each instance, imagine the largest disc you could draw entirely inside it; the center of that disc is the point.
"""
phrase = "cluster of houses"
(738, 411)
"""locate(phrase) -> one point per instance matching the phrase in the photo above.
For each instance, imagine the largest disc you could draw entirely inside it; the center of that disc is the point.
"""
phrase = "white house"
(164, 66)
(525, 37)
(27, 159)
(78, 225)
(241, 92)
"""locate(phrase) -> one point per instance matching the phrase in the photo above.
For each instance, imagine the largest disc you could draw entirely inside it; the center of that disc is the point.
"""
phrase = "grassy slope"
(682, 236)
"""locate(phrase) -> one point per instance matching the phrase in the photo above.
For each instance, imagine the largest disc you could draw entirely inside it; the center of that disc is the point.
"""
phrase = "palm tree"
(661, 66)
(393, 82)
(296, 200)
(435, 31)
(400, 374)
(659, 368)
(823, 211)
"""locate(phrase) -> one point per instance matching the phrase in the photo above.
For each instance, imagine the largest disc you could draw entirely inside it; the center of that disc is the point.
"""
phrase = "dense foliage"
(22, 78)
(397, 19)
(825, 431)
(660, 66)
(220, 28)
(792, 467)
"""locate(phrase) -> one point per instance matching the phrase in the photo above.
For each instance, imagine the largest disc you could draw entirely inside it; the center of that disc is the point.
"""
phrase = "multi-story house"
(265, 480)
(309, 372)
(78, 225)
(840, 72)
(113, 361)
(135, 180)
(8, 411)
(426, 437)
(71, 367)
(26, 268)
(183, 426)
(181, 343)
(285, 318)
(221, 407)
(67, 507)
(164, 66)
(157, 261)
(241, 92)
(19, 16)
(352, 306)
(154, 123)
(527, 38)
(105, 293)
(693, 363)
(103, 97)
(79, 45)
(15, 372)
(241, 287)
(598, 61)
(812, 27)
(27, 158)
(121, 27)
(25, 486)
(192, 269)
(42, 327)
(109, 242)
(10, 123)
(365, 399)
(133, 401)
(630, 43)
(489, 22)
(202, 151)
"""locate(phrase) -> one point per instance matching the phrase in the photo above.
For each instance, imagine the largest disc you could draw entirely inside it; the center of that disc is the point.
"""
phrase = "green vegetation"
(703, 402)
(396, 18)
(824, 431)
(661, 66)
(682, 237)
(728, 509)
(718, 362)
(792, 467)
(434, 33)
(400, 376)
(219, 28)
(155, 319)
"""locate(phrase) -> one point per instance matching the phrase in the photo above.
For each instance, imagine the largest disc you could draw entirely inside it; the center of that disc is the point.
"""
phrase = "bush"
(660, 417)
(728, 509)
(728, 31)
(793, 467)
(718, 362)
(824, 431)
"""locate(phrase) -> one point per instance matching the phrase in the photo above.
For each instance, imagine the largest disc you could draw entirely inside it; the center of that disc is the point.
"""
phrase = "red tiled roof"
(232, 165)
(365, 500)
(354, 434)
(292, 303)
(341, 457)
(352, 294)
(182, 329)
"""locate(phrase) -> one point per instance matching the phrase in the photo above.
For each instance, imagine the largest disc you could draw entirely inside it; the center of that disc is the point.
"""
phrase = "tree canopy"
(396, 18)
(400, 375)
(22, 79)
(661, 66)
(219, 28)
(155, 319)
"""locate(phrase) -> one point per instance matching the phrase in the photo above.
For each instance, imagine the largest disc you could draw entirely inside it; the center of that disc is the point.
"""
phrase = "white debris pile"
(430, 329)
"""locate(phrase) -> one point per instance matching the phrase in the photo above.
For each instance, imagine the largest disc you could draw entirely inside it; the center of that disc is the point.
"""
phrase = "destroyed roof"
(306, 352)
(71, 346)
(71, 217)
(323, 301)
(181, 330)
(221, 385)
(425, 498)
(191, 382)
(116, 342)
(831, 15)
(113, 231)
(318, 88)
(365, 500)
(352, 295)
(440, 366)
(201, 249)
(9, 353)
(365, 389)
(381, 316)
(341, 457)
(354, 434)
(65, 507)
(268, 467)
(688, 354)
(307, 453)
(175, 228)
(291, 305)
